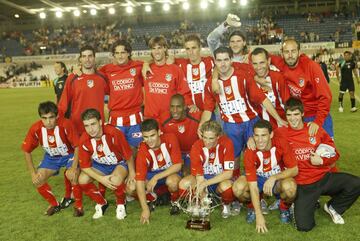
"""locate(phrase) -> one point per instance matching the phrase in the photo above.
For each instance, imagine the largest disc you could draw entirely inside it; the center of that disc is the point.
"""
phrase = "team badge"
(99, 148)
(133, 71)
(51, 139)
(168, 77)
(312, 140)
(317, 80)
(195, 71)
(181, 129)
(60, 86)
(136, 135)
(301, 82)
(90, 83)
(266, 161)
(212, 155)
(228, 90)
(159, 157)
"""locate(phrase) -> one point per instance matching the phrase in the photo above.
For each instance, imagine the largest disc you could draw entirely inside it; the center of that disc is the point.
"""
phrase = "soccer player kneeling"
(104, 156)
(158, 162)
(269, 169)
(59, 140)
(212, 165)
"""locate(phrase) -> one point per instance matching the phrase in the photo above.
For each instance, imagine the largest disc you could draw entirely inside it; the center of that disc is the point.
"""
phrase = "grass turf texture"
(22, 207)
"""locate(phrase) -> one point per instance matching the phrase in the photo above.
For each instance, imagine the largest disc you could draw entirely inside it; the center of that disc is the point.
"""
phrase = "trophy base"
(200, 225)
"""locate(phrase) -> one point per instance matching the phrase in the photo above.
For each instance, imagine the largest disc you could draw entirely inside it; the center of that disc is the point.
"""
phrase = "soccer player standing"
(158, 162)
(164, 81)
(307, 82)
(59, 82)
(316, 155)
(59, 140)
(347, 67)
(104, 156)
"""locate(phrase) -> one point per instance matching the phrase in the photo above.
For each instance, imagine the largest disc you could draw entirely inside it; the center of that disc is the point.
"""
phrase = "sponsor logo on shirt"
(123, 84)
(168, 77)
(133, 71)
(158, 88)
(136, 135)
(90, 83)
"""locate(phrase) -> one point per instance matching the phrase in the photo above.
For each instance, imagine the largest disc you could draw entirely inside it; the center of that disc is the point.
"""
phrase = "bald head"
(291, 52)
(177, 107)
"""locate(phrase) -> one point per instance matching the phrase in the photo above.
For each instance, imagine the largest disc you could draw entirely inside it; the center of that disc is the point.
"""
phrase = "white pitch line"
(337, 83)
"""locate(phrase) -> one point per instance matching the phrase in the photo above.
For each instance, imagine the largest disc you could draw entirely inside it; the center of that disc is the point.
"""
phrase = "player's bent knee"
(240, 186)
(172, 182)
(224, 185)
(84, 178)
(186, 182)
(304, 227)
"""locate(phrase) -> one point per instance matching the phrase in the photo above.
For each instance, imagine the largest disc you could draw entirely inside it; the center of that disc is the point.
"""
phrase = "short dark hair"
(222, 50)
(63, 66)
(193, 37)
(47, 107)
(294, 104)
(149, 125)
(124, 43)
(260, 51)
(238, 33)
(87, 47)
(178, 96)
(263, 124)
(347, 52)
(90, 113)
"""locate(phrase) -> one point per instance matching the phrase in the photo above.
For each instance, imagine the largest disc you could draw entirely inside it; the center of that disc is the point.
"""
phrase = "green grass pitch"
(22, 207)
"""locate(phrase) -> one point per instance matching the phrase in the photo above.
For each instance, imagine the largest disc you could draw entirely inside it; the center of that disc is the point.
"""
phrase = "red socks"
(45, 192)
(77, 195)
(92, 191)
(283, 205)
(102, 189)
(120, 194)
(67, 186)
(227, 196)
(174, 196)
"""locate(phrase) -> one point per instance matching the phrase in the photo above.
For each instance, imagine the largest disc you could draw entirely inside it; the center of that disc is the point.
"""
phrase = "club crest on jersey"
(90, 83)
(312, 140)
(136, 135)
(159, 157)
(301, 82)
(99, 148)
(228, 90)
(195, 71)
(212, 155)
(168, 77)
(133, 71)
(51, 139)
(266, 161)
(181, 129)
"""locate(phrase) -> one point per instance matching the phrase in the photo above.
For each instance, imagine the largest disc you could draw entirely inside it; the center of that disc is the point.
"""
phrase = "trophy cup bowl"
(199, 219)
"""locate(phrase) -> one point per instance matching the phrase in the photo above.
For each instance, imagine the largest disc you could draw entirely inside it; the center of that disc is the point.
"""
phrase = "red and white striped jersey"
(59, 141)
(110, 149)
(197, 76)
(212, 161)
(236, 98)
(126, 93)
(278, 95)
(162, 158)
(268, 163)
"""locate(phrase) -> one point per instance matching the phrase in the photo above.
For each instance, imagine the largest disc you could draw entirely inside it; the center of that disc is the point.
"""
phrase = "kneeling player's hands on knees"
(130, 178)
(72, 174)
(269, 185)
(145, 216)
(106, 180)
(151, 184)
(315, 159)
(36, 178)
(260, 224)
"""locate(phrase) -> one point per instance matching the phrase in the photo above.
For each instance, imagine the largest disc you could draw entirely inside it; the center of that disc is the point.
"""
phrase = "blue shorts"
(211, 188)
(108, 169)
(106, 99)
(328, 124)
(55, 163)
(160, 182)
(239, 133)
(261, 181)
(132, 134)
(186, 158)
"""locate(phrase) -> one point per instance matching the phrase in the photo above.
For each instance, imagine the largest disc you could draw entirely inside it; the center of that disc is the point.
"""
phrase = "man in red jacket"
(316, 155)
